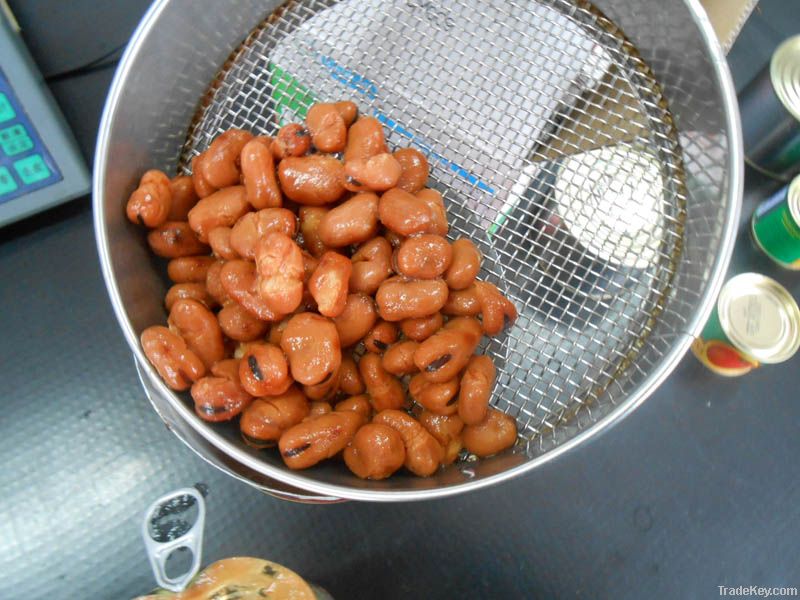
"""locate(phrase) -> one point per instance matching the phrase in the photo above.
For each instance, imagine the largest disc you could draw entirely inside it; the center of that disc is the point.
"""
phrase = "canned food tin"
(776, 226)
(770, 109)
(755, 321)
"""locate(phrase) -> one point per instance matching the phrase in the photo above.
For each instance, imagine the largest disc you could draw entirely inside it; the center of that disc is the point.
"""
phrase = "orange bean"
(309, 442)
(313, 180)
(327, 127)
(276, 331)
(399, 358)
(423, 452)
(214, 285)
(439, 398)
(292, 140)
(465, 265)
(372, 264)
(352, 222)
(150, 203)
(173, 239)
(463, 303)
(438, 215)
(221, 396)
(384, 389)
(447, 431)
(403, 213)
(258, 174)
(317, 409)
(380, 337)
(423, 256)
(193, 291)
(169, 354)
(348, 110)
(365, 139)
(156, 176)
(189, 269)
(494, 434)
(263, 422)
(310, 219)
(218, 399)
(279, 262)
(359, 404)
(255, 225)
(220, 164)
(422, 328)
(376, 452)
(476, 389)
(183, 197)
(466, 324)
(414, 169)
(238, 279)
(238, 324)
(350, 381)
(221, 209)
(355, 321)
(329, 282)
(325, 391)
(219, 239)
(201, 187)
(377, 173)
(442, 356)
(312, 345)
(400, 299)
(264, 371)
(410, 214)
(199, 327)
(228, 368)
(497, 311)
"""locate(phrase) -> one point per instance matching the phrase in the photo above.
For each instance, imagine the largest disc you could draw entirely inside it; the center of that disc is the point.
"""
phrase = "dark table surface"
(699, 488)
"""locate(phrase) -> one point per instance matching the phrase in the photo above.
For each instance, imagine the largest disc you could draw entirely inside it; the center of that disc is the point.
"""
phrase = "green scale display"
(40, 164)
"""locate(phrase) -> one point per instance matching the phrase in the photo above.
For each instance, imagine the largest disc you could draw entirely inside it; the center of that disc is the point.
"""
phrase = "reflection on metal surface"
(609, 200)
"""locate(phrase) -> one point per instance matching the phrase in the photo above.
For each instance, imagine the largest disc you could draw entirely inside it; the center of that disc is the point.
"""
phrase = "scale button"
(15, 140)
(6, 110)
(7, 183)
(32, 169)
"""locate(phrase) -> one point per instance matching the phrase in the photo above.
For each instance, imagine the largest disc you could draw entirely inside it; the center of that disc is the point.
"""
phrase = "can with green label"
(755, 321)
(776, 226)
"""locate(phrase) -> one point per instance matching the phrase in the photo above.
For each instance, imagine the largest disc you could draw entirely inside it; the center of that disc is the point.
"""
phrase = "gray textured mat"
(700, 487)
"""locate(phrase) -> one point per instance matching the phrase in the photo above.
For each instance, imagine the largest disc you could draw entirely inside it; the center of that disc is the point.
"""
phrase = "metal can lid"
(760, 317)
(611, 201)
(784, 72)
(793, 199)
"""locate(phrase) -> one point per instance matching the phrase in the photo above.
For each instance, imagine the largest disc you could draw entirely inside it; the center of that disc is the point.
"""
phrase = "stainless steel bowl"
(495, 91)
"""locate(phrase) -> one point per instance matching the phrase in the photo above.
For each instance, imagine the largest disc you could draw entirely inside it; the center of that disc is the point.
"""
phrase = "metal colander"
(591, 151)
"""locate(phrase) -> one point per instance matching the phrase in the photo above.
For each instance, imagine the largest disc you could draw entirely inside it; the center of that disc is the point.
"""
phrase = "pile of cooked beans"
(317, 298)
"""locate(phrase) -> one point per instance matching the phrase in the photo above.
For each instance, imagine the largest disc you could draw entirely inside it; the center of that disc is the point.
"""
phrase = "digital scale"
(40, 163)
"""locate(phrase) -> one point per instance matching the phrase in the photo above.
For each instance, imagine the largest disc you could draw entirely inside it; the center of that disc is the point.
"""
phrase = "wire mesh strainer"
(587, 149)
